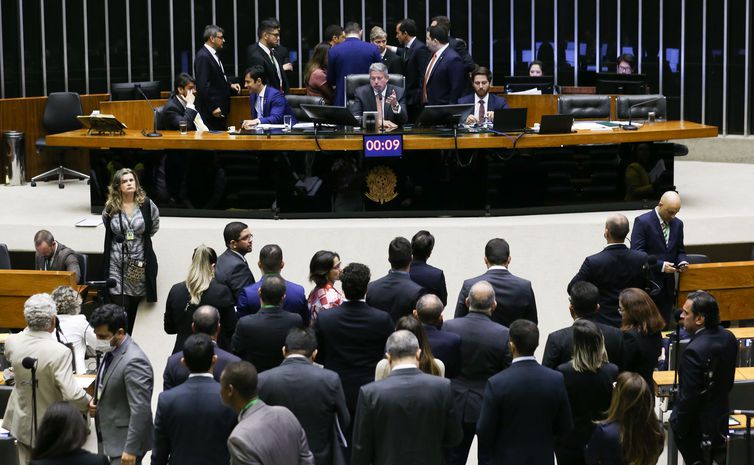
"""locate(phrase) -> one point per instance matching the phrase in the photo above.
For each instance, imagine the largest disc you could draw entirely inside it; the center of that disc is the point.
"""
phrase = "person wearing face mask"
(122, 407)
(180, 106)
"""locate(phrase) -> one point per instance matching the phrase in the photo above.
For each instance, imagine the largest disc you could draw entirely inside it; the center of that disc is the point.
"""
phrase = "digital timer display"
(383, 145)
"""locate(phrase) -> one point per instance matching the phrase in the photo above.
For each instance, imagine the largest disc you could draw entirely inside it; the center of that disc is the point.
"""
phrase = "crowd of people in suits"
(263, 373)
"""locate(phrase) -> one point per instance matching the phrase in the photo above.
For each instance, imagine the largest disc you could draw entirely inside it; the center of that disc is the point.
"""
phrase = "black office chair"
(697, 258)
(158, 124)
(5, 396)
(4, 257)
(354, 81)
(624, 102)
(295, 101)
(585, 106)
(83, 266)
(60, 114)
(8, 451)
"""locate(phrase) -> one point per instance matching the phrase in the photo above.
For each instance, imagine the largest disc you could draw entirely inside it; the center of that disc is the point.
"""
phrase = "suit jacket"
(124, 409)
(446, 346)
(176, 373)
(604, 446)
(77, 457)
(365, 101)
(708, 364)
(233, 271)
(430, 278)
(54, 380)
(321, 411)
(406, 401)
(484, 352)
(295, 300)
(256, 56)
(268, 435)
(640, 353)
(525, 407)
(192, 425)
(179, 312)
(393, 62)
(446, 84)
(212, 89)
(259, 338)
(174, 111)
(514, 296)
(613, 269)
(63, 260)
(352, 56)
(352, 339)
(394, 293)
(415, 59)
(494, 102)
(559, 345)
(274, 107)
(460, 47)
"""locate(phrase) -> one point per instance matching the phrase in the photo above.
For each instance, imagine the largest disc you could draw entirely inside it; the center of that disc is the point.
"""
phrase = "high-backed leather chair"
(585, 106)
(4, 257)
(83, 260)
(295, 101)
(354, 81)
(624, 102)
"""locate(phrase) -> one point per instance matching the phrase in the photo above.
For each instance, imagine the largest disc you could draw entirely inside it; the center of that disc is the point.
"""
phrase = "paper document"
(534, 91)
(91, 222)
(591, 126)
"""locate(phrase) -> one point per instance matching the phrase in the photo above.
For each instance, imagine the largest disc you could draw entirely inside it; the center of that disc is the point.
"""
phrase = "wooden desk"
(740, 333)
(732, 284)
(664, 379)
(18, 285)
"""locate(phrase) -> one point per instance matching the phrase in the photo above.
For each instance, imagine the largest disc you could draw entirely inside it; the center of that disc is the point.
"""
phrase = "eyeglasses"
(275, 34)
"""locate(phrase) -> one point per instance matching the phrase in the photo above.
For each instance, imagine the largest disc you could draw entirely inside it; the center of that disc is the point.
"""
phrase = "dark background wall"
(694, 52)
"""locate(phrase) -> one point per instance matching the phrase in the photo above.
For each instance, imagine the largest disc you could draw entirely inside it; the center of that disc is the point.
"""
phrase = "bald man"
(660, 233)
(613, 269)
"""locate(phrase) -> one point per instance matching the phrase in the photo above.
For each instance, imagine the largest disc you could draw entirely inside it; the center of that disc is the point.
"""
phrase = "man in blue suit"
(395, 292)
(444, 78)
(427, 276)
(525, 406)
(271, 263)
(191, 424)
(660, 233)
(268, 105)
(485, 103)
(445, 345)
(352, 56)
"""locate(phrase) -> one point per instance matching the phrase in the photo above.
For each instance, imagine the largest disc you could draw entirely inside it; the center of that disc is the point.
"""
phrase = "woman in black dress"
(642, 339)
(60, 438)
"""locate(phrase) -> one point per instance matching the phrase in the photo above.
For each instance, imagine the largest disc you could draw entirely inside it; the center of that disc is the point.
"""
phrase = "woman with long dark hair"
(315, 76)
(641, 325)
(324, 270)
(427, 362)
(60, 439)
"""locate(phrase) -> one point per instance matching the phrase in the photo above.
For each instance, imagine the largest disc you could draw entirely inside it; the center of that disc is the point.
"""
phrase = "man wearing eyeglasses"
(213, 88)
(265, 53)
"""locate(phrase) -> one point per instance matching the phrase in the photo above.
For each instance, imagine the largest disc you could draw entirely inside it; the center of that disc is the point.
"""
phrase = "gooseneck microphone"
(647, 267)
(30, 363)
(109, 283)
(630, 126)
(154, 132)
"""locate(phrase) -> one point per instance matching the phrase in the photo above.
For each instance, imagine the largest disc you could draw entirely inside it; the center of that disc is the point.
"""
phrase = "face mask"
(104, 346)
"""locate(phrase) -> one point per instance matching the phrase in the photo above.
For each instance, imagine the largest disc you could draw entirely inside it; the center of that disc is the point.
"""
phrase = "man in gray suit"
(53, 256)
(264, 434)
(54, 372)
(313, 393)
(123, 408)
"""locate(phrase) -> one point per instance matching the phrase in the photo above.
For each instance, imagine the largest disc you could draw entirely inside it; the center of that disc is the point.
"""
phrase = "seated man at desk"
(51, 255)
(268, 105)
(180, 106)
(386, 99)
(484, 102)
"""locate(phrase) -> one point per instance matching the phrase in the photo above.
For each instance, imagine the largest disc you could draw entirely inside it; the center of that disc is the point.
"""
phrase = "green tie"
(665, 232)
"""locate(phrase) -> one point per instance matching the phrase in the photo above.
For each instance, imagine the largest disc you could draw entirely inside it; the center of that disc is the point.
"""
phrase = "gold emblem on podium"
(381, 182)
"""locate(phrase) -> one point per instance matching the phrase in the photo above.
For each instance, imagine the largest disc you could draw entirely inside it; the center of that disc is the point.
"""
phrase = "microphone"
(651, 261)
(108, 283)
(677, 315)
(119, 238)
(30, 363)
(630, 126)
(748, 413)
(154, 132)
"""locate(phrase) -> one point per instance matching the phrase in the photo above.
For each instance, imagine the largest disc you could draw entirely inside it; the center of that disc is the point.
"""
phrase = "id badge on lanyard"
(130, 234)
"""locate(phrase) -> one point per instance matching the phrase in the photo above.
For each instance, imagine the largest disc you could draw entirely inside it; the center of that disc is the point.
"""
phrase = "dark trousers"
(459, 454)
(131, 304)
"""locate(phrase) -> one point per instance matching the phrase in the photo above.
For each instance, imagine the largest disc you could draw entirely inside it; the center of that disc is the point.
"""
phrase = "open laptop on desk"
(556, 124)
(510, 120)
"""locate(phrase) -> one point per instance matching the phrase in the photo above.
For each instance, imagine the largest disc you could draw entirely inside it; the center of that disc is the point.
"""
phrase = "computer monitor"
(323, 114)
(545, 84)
(128, 91)
(444, 115)
(626, 84)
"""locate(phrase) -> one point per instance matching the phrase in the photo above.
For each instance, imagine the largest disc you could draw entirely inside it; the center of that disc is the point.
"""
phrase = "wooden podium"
(18, 285)
(732, 284)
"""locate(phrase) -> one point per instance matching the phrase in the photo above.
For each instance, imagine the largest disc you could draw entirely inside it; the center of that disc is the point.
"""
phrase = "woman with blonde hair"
(200, 288)
(642, 338)
(130, 219)
(427, 362)
(73, 328)
(631, 434)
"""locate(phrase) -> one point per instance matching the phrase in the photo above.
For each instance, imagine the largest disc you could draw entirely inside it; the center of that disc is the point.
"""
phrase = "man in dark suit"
(192, 425)
(180, 106)
(427, 276)
(271, 263)
(525, 407)
(660, 233)
(584, 297)
(352, 335)
(395, 293)
(484, 352)
(264, 53)
(484, 102)
(444, 78)
(612, 270)
(314, 394)
(212, 85)
(459, 45)
(206, 320)
(705, 378)
(51, 255)
(409, 417)
(268, 104)
(394, 63)
(333, 35)
(415, 57)
(514, 295)
(386, 99)
(260, 337)
(231, 268)
(445, 345)
(352, 56)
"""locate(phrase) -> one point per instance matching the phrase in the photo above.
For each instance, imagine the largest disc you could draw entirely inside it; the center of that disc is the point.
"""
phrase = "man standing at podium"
(212, 84)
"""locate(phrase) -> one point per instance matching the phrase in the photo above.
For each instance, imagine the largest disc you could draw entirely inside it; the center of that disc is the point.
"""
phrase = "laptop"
(510, 120)
(556, 124)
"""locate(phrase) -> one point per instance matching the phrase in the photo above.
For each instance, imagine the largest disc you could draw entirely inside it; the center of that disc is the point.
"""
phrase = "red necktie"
(426, 78)
(482, 112)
